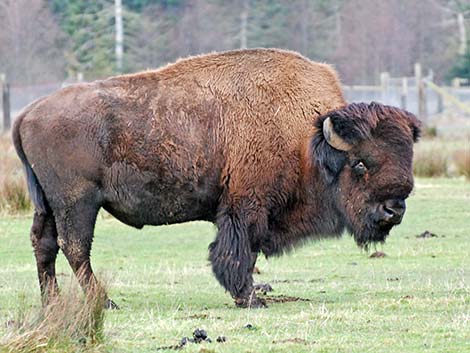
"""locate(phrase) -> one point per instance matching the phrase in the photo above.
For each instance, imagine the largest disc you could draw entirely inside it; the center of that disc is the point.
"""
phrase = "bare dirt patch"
(377, 254)
(199, 336)
(295, 340)
(426, 235)
(199, 316)
(405, 298)
(314, 280)
(283, 299)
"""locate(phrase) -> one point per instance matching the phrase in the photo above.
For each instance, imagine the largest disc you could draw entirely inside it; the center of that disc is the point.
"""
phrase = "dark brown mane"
(358, 121)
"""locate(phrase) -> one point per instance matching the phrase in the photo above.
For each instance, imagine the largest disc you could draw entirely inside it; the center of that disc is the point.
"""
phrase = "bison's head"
(365, 152)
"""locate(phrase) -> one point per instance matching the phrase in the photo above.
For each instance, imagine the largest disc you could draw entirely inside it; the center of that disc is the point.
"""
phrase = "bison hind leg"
(75, 226)
(44, 240)
(232, 261)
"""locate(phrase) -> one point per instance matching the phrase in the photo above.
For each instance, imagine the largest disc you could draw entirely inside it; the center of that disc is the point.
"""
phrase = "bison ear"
(333, 139)
(337, 133)
(415, 126)
(328, 149)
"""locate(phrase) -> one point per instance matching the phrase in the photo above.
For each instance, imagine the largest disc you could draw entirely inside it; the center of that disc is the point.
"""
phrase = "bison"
(260, 142)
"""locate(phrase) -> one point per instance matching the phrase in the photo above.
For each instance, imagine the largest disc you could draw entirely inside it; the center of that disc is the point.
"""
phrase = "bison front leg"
(231, 258)
(260, 287)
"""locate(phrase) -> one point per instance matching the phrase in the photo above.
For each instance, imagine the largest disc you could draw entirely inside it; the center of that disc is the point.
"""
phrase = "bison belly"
(140, 198)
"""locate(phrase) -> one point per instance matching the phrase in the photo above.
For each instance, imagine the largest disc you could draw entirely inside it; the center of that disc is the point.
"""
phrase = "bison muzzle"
(260, 142)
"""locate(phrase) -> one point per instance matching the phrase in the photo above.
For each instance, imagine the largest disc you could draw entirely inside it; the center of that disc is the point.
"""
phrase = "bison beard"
(259, 142)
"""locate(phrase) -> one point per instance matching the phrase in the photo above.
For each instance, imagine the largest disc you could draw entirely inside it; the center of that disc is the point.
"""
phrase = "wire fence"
(435, 102)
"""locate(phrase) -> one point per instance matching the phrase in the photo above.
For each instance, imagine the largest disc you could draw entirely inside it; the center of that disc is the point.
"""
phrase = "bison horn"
(333, 139)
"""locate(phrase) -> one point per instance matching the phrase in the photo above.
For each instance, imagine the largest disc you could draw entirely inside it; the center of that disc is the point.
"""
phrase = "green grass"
(416, 299)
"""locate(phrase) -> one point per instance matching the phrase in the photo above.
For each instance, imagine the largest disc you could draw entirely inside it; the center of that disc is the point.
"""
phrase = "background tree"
(90, 27)
(360, 37)
(461, 68)
(385, 35)
(31, 43)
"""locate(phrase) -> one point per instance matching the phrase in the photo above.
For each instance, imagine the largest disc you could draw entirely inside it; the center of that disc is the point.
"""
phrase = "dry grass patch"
(14, 196)
(462, 162)
(430, 163)
(438, 157)
(70, 323)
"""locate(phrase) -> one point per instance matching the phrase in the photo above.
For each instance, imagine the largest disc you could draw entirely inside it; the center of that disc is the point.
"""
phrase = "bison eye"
(359, 168)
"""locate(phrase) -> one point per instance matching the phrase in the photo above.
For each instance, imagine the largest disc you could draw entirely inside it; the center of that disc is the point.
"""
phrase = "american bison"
(260, 142)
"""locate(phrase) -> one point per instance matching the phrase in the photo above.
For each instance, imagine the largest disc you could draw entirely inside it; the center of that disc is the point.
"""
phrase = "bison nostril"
(391, 211)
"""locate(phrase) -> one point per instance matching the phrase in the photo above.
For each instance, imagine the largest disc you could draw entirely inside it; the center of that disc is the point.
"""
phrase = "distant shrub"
(432, 163)
(14, 196)
(462, 162)
(430, 131)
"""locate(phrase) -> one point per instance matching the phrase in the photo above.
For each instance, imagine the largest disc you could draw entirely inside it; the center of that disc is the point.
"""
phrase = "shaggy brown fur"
(233, 138)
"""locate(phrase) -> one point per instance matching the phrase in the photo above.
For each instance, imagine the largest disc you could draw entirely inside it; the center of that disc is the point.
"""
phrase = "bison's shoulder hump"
(251, 59)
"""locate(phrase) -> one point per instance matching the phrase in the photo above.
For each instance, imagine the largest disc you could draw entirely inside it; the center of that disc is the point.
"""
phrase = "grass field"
(416, 299)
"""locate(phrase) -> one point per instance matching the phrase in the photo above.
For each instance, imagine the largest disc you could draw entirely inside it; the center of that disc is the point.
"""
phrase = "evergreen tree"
(461, 68)
(91, 27)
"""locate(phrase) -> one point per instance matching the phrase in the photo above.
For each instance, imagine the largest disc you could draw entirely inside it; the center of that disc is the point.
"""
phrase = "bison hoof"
(263, 288)
(252, 302)
(109, 304)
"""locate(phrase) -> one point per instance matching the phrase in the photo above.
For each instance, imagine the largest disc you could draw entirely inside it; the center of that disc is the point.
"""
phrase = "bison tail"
(35, 190)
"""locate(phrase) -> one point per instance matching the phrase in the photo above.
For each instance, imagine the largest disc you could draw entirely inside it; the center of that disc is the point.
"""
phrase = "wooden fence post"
(440, 103)
(384, 85)
(404, 92)
(5, 103)
(456, 82)
(421, 94)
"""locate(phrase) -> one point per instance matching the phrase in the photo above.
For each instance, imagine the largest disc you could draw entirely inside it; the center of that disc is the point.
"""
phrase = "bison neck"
(312, 214)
